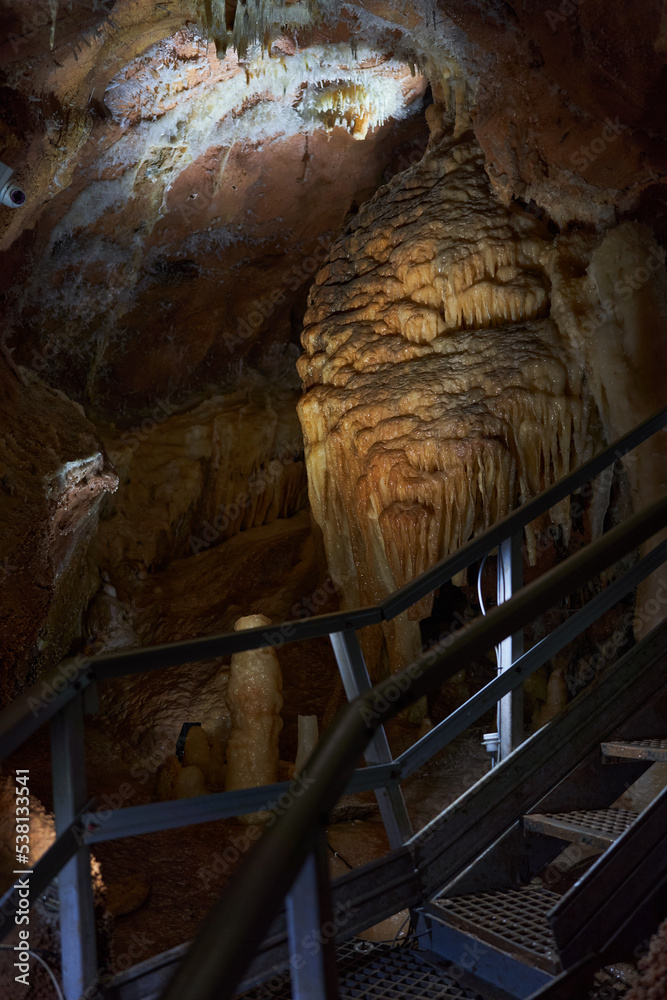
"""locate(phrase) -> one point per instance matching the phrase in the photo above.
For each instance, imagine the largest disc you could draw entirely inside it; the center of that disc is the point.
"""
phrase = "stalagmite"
(307, 736)
(177, 782)
(206, 753)
(254, 699)
(556, 699)
(438, 392)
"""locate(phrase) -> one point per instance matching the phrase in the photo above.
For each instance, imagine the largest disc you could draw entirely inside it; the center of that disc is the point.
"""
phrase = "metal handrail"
(70, 679)
(214, 965)
(20, 720)
(458, 721)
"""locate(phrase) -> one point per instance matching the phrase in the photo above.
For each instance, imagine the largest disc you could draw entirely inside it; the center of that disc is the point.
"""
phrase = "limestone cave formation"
(298, 297)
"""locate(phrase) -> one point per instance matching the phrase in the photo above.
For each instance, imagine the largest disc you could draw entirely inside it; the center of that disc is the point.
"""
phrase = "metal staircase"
(510, 921)
(382, 971)
(470, 877)
(516, 910)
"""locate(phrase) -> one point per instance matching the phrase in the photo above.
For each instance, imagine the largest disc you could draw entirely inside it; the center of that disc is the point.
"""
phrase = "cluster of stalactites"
(256, 22)
(354, 104)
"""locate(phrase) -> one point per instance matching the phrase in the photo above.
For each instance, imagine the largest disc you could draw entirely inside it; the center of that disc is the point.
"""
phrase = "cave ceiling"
(187, 164)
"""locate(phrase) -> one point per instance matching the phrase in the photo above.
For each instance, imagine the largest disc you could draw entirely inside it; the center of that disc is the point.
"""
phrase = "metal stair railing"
(71, 684)
(237, 924)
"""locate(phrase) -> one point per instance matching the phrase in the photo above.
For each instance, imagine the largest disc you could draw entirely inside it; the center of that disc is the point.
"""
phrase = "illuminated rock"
(438, 392)
(178, 781)
(206, 752)
(615, 315)
(127, 894)
(167, 779)
(191, 480)
(556, 699)
(53, 477)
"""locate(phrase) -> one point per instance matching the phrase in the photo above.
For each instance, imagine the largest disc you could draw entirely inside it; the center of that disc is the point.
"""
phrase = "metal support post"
(356, 681)
(311, 929)
(77, 917)
(510, 708)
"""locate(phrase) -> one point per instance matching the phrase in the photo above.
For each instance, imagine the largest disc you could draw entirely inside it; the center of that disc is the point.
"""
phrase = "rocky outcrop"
(271, 570)
(53, 476)
(189, 480)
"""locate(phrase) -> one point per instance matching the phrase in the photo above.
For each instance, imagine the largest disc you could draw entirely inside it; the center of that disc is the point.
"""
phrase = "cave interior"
(298, 298)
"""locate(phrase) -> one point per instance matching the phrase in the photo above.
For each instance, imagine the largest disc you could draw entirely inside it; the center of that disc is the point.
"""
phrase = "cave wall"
(184, 188)
(54, 476)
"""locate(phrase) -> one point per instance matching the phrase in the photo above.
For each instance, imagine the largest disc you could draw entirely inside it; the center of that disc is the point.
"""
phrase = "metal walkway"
(379, 970)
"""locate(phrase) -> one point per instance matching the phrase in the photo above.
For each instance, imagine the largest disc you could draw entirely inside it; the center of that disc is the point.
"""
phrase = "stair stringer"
(518, 855)
(491, 809)
(616, 886)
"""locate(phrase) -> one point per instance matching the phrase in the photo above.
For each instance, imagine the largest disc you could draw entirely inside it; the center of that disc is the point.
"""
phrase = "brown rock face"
(53, 475)
(575, 123)
(191, 480)
(438, 392)
(181, 226)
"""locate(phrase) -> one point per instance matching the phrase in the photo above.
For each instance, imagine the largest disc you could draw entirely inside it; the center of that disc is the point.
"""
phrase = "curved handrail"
(215, 962)
(72, 675)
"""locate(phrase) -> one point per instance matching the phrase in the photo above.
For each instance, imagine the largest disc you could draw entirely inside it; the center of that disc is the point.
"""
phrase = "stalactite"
(53, 10)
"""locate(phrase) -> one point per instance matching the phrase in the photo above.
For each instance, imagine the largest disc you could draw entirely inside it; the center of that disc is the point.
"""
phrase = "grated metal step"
(368, 970)
(512, 920)
(636, 749)
(593, 827)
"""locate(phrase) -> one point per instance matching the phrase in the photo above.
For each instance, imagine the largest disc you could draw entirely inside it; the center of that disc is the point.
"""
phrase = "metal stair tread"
(367, 969)
(594, 827)
(513, 920)
(654, 749)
